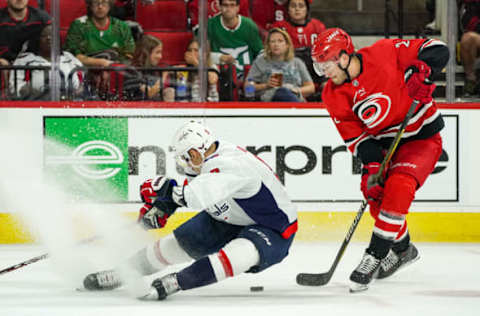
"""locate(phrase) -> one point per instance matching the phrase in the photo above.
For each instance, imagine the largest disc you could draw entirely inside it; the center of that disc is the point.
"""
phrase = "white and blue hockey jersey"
(238, 188)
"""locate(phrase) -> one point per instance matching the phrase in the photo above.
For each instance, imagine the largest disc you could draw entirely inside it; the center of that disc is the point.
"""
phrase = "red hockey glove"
(147, 192)
(162, 197)
(151, 217)
(372, 191)
(419, 86)
(163, 193)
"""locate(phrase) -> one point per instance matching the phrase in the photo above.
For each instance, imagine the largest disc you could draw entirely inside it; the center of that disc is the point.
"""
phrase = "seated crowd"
(108, 54)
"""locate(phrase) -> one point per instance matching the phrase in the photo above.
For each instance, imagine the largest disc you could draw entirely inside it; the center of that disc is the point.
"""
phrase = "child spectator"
(277, 74)
(191, 60)
(151, 85)
(90, 36)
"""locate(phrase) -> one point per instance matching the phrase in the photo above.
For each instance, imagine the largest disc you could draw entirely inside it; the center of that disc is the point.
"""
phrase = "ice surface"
(445, 281)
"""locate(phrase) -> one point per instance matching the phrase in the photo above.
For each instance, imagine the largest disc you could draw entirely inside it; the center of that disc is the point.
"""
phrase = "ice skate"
(103, 280)
(395, 261)
(363, 275)
(162, 287)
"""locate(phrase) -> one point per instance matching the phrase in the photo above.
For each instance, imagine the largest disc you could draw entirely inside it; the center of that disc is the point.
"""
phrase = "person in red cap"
(368, 94)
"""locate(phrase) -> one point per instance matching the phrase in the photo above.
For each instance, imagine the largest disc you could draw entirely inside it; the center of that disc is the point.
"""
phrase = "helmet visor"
(181, 158)
(322, 68)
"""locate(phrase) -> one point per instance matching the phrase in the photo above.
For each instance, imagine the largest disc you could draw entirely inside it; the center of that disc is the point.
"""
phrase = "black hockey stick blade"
(314, 279)
(319, 279)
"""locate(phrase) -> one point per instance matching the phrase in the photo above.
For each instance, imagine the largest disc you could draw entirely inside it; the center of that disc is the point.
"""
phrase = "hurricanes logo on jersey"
(373, 109)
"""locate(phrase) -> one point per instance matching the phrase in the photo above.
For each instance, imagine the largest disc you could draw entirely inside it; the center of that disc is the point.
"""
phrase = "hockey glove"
(151, 217)
(419, 86)
(162, 197)
(160, 193)
(372, 190)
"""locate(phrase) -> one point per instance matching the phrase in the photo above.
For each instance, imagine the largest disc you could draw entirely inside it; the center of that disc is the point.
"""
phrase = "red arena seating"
(174, 45)
(162, 15)
(33, 3)
(69, 11)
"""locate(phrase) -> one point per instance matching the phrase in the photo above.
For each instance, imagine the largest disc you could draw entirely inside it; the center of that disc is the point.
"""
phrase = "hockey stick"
(46, 255)
(318, 279)
(38, 258)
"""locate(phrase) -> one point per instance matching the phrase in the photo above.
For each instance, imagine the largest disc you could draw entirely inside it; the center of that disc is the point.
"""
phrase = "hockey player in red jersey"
(368, 95)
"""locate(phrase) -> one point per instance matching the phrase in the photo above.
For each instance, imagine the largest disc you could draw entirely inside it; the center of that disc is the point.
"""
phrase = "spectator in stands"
(31, 84)
(234, 36)
(141, 85)
(213, 8)
(19, 23)
(192, 60)
(90, 36)
(277, 74)
(267, 12)
(303, 29)
(470, 45)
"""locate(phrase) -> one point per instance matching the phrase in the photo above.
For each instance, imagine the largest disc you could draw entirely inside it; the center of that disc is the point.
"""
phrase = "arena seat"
(162, 15)
(33, 3)
(63, 36)
(69, 11)
(174, 45)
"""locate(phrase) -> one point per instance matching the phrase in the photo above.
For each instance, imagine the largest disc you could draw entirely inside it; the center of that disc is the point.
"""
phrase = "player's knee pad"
(164, 252)
(236, 257)
(399, 193)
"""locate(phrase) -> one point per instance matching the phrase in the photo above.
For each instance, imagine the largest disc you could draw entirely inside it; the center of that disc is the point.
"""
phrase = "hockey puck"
(256, 288)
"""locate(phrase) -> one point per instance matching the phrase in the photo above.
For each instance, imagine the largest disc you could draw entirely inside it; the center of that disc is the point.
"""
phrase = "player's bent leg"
(389, 225)
(235, 258)
(400, 190)
(146, 261)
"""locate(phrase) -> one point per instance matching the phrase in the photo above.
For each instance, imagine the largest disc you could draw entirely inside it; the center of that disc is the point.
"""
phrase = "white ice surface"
(445, 281)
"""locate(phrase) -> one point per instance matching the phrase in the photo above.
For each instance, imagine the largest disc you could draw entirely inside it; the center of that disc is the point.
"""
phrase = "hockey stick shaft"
(46, 255)
(38, 258)
(316, 279)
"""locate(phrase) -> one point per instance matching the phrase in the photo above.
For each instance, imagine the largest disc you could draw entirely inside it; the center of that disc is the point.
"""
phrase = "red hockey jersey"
(302, 36)
(374, 104)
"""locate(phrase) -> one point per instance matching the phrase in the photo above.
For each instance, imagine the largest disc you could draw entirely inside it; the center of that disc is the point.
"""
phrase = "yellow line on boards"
(314, 226)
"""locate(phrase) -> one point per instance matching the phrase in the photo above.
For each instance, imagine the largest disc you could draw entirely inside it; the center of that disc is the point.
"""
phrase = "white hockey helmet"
(192, 135)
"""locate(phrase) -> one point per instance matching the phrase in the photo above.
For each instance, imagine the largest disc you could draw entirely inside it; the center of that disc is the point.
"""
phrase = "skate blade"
(150, 296)
(357, 287)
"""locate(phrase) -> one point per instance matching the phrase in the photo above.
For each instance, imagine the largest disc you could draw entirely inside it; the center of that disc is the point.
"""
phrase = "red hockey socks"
(390, 224)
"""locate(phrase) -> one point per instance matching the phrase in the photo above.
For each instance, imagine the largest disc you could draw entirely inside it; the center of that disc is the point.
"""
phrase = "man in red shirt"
(368, 95)
(18, 24)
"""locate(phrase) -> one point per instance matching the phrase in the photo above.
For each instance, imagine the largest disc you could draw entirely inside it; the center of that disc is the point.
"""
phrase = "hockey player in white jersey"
(247, 222)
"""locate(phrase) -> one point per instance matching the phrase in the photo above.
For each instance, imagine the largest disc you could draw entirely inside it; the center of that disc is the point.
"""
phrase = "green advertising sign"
(88, 156)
